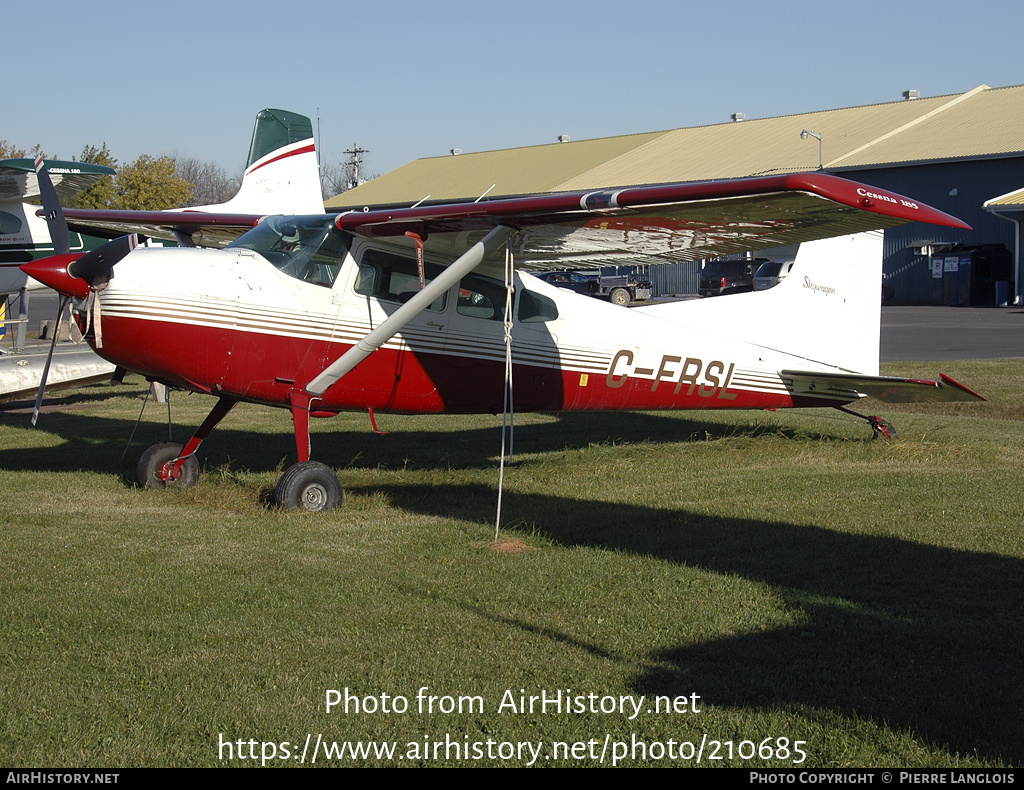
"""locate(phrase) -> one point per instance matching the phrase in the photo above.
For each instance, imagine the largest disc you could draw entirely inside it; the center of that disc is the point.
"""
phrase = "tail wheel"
(309, 486)
(881, 428)
(619, 296)
(149, 471)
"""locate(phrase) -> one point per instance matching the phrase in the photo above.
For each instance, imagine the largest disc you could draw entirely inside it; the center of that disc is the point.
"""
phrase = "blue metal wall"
(667, 279)
(974, 182)
(907, 273)
(679, 279)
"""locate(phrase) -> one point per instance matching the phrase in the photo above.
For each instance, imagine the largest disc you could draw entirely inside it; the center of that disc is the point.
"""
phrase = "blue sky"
(408, 80)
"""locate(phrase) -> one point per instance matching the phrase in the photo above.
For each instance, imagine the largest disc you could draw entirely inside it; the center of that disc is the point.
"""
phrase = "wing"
(207, 229)
(885, 388)
(644, 224)
(651, 224)
(72, 367)
(18, 178)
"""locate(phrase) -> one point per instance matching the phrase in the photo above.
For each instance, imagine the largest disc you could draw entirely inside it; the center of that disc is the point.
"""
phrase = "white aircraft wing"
(76, 366)
(18, 180)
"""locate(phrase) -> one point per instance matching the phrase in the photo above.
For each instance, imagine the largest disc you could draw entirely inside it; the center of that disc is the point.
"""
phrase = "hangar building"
(962, 153)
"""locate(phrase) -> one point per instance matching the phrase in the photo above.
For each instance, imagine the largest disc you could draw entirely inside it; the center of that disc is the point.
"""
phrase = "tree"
(335, 179)
(101, 194)
(149, 184)
(210, 183)
(10, 151)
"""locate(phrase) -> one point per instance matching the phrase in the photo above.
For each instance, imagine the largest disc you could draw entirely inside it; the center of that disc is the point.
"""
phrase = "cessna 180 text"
(416, 309)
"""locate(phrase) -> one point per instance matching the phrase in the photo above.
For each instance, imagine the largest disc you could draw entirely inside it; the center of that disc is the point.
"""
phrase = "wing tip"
(949, 382)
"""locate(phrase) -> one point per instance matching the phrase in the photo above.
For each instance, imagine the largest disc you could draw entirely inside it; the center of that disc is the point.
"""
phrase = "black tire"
(147, 471)
(310, 486)
(619, 296)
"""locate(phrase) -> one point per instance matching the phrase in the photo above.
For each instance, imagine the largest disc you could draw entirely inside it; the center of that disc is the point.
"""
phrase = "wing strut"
(395, 323)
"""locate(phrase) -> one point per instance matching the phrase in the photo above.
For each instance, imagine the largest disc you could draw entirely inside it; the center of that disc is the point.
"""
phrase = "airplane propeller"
(102, 259)
(88, 267)
(58, 226)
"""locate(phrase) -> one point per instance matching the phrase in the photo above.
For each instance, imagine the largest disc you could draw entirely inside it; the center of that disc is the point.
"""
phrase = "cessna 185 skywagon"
(423, 309)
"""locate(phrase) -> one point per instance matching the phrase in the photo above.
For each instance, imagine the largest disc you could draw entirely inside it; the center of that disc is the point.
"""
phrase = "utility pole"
(352, 165)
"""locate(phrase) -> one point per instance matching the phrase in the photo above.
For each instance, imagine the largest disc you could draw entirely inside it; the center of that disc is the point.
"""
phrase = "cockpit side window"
(311, 249)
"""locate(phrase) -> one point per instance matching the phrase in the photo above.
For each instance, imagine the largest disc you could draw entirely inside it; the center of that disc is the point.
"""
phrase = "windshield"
(306, 248)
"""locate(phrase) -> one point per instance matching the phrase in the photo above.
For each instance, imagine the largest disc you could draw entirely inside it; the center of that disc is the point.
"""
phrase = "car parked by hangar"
(770, 274)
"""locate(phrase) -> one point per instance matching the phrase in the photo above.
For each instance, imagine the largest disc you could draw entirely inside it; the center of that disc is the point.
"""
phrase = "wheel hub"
(314, 497)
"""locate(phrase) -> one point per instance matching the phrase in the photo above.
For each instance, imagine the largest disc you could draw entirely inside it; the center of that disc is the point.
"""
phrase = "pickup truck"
(718, 278)
(620, 289)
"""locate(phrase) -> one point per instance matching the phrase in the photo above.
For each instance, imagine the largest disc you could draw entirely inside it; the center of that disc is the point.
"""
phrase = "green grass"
(805, 581)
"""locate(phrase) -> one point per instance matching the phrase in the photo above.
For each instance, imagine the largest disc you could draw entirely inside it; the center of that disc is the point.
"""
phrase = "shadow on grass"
(904, 634)
(96, 443)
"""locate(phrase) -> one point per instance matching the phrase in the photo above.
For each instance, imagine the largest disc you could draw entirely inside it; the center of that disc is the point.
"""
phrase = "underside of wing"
(18, 178)
(667, 222)
(850, 386)
(205, 229)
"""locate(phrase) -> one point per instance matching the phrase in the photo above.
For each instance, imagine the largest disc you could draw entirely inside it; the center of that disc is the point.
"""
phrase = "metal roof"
(984, 122)
(513, 171)
(1011, 200)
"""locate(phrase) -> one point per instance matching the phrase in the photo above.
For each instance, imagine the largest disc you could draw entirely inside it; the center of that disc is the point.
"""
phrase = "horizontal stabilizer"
(890, 389)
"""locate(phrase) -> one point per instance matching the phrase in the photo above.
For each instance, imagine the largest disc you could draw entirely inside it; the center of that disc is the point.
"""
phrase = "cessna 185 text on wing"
(406, 309)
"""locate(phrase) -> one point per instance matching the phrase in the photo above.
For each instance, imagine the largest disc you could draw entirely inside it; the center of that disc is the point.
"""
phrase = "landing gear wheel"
(147, 472)
(619, 296)
(881, 428)
(311, 486)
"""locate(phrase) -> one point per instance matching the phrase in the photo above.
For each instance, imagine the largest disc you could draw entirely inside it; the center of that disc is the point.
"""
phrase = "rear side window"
(394, 278)
(536, 308)
(482, 297)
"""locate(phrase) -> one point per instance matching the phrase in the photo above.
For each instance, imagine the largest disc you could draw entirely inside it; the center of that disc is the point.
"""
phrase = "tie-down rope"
(508, 412)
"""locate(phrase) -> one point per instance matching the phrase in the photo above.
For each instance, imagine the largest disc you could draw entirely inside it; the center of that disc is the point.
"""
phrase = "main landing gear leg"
(170, 464)
(308, 485)
(879, 427)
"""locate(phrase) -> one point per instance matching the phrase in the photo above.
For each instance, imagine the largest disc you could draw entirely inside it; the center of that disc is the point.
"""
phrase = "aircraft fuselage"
(228, 323)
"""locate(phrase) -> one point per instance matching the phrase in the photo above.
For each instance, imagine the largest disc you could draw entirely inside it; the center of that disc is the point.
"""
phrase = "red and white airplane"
(409, 309)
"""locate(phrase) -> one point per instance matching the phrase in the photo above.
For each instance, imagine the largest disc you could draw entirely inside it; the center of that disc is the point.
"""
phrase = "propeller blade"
(54, 213)
(49, 359)
(102, 259)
